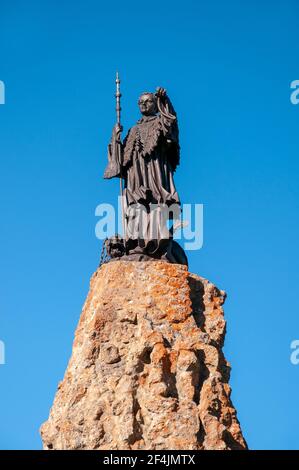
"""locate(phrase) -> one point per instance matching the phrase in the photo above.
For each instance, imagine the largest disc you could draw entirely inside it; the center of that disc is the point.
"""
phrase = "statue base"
(137, 250)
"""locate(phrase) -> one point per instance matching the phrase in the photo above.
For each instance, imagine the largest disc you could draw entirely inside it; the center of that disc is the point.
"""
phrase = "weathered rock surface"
(147, 369)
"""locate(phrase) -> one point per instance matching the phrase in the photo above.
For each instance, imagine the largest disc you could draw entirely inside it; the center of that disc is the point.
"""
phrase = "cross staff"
(117, 96)
(118, 110)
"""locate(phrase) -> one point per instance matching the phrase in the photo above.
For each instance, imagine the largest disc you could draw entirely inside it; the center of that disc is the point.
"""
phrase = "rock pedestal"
(147, 369)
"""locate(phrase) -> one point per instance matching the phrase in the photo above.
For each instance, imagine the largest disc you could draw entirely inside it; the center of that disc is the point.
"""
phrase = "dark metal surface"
(145, 162)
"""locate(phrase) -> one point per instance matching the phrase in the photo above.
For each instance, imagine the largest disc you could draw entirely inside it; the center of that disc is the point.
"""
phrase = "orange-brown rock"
(147, 369)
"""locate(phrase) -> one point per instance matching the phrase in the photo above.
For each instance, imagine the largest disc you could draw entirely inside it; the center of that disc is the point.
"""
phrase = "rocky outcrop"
(147, 369)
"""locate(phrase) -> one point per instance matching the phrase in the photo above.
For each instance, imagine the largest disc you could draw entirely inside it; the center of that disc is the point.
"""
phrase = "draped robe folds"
(146, 160)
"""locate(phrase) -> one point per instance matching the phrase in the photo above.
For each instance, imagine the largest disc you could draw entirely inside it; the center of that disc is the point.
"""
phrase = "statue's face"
(147, 105)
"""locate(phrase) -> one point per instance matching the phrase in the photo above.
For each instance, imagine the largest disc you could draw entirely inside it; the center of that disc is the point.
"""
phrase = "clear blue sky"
(227, 67)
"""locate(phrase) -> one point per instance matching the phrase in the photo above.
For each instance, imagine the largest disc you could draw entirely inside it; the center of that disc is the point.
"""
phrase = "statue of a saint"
(146, 161)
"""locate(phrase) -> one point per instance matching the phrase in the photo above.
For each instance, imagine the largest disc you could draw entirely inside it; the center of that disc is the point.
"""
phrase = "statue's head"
(148, 104)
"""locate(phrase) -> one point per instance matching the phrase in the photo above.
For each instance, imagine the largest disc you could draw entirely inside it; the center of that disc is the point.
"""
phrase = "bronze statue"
(146, 161)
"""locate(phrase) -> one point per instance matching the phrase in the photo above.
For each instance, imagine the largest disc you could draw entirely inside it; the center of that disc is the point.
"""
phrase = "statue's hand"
(118, 128)
(160, 92)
